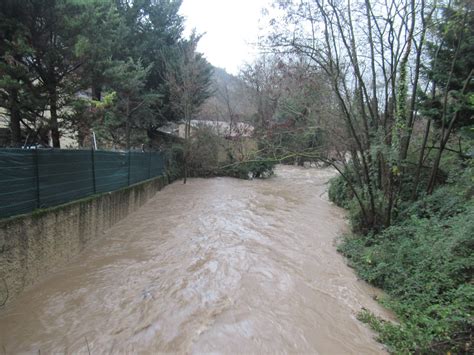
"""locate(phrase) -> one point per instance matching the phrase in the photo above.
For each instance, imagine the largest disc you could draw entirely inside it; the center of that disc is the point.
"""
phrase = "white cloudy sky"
(231, 27)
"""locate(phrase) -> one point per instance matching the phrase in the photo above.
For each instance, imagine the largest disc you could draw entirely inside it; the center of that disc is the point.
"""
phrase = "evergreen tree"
(20, 92)
(54, 51)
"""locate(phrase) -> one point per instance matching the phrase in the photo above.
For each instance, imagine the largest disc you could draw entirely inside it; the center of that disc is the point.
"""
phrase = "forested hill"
(231, 99)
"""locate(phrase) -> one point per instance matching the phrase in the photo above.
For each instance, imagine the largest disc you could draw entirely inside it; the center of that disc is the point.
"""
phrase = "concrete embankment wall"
(30, 245)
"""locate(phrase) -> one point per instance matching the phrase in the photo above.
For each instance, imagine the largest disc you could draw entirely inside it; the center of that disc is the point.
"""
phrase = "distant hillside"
(231, 100)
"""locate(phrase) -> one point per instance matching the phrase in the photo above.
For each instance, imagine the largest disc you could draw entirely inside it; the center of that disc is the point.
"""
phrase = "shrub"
(425, 263)
(203, 152)
(203, 158)
(174, 157)
(339, 192)
(258, 168)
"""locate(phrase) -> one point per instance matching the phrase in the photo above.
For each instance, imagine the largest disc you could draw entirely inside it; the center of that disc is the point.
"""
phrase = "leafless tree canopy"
(372, 53)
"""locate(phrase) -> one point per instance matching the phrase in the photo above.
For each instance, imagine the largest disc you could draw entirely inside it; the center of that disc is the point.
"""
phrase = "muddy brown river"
(216, 265)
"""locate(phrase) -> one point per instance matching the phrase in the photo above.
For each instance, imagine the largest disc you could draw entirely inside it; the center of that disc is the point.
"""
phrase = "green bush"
(203, 152)
(174, 157)
(258, 168)
(425, 263)
(203, 159)
(339, 192)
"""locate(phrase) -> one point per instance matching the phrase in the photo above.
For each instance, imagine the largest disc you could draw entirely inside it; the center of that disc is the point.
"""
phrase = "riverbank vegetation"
(210, 155)
(424, 262)
(396, 121)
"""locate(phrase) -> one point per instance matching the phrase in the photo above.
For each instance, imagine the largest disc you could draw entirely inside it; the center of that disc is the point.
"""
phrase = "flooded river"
(216, 265)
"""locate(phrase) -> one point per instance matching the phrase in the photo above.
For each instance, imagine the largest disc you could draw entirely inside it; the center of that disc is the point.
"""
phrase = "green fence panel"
(40, 178)
(64, 175)
(157, 164)
(139, 163)
(111, 170)
(18, 185)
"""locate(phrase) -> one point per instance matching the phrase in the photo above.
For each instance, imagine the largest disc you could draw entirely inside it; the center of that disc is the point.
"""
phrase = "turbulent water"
(217, 264)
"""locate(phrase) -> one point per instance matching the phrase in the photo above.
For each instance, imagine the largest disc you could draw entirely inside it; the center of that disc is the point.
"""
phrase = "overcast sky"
(231, 27)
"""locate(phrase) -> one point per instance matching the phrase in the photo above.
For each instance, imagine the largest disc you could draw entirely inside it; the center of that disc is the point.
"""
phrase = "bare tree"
(188, 78)
(370, 51)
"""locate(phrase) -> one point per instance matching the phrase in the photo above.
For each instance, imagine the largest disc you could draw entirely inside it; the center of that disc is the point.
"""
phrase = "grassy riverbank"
(424, 262)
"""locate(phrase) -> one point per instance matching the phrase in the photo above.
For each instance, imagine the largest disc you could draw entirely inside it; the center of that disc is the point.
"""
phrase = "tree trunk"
(187, 133)
(15, 119)
(445, 137)
(434, 172)
(127, 126)
(420, 161)
(80, 138)
(54, 125)
(406, 137)
(96, 92)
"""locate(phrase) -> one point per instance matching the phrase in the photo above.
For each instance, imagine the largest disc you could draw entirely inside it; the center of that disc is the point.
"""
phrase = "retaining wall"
(30, 245)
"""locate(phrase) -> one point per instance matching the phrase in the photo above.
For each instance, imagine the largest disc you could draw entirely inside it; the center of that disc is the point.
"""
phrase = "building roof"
(223, 128)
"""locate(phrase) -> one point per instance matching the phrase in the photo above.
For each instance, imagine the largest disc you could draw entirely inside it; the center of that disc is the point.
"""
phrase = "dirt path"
(215, 265)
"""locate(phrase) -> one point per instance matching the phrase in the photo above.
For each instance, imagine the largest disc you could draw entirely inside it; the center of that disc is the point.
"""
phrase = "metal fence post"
(93, 170)
(38, 199)
(149, 164)
(129, 166)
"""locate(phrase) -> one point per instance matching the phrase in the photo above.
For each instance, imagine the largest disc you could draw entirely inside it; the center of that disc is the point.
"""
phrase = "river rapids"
(216, 265)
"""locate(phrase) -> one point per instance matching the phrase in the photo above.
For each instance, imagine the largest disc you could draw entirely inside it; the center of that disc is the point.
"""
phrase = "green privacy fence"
(37, 178)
